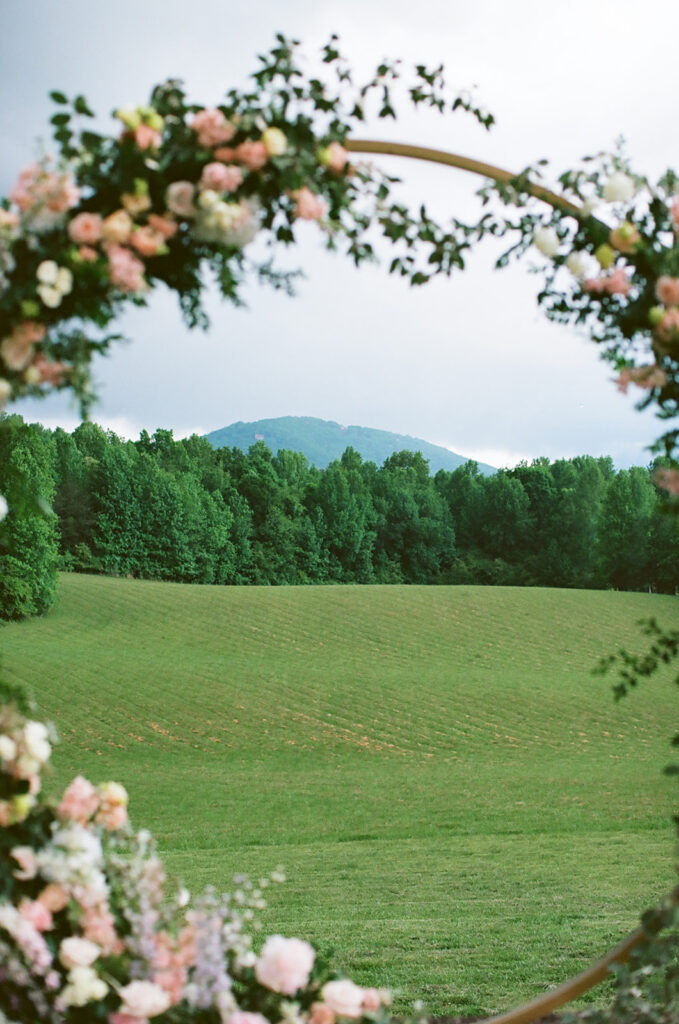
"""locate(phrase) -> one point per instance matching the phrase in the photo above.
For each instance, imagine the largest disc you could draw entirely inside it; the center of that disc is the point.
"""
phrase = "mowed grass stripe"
(462, 810)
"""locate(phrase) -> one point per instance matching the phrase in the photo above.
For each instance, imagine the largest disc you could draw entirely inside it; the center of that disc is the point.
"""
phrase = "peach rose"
(147, 137)
(164, 226)
(146, 241)
(85, 229)
(667, 290)
(117, 227)
(252, 155)
(54, 897)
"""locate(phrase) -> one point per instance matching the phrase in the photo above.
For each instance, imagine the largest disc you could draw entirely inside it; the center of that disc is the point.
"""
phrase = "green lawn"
(463, 812)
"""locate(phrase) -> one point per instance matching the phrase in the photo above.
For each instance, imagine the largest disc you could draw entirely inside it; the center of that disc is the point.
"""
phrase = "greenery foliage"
(163, 509)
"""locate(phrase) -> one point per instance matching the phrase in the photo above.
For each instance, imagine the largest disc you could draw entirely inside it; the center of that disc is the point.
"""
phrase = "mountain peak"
(323, 441)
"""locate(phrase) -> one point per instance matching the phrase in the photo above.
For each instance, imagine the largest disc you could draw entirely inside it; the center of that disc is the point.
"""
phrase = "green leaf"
(60, 119)
(58, 97)
(80, 106)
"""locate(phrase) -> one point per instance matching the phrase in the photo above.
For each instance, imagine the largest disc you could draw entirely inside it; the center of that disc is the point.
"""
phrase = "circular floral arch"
(181, 189)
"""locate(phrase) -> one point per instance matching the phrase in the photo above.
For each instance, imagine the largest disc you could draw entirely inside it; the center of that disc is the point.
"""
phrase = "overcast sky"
(469, 362)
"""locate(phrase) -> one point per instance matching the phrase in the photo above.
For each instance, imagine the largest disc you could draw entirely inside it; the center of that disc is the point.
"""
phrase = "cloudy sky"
(469, 362)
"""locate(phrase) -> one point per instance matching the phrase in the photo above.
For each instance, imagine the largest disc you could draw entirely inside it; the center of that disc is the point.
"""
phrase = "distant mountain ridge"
(322, 441)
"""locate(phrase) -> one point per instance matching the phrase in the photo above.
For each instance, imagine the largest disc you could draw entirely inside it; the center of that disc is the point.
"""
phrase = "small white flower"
(8, 748)
(578, 264)
(36, 741)
(547, 241)
(618, 188)
(589, 206)
(47, 272)
(208, 198)
(64, 281)
(4, 509)
(50, 295)
(84, 986)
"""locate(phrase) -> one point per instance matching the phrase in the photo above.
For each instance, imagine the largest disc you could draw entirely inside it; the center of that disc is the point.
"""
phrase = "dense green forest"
(163, 509)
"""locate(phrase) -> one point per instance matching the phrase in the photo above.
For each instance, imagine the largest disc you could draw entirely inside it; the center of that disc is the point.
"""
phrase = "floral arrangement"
(611, 241)
(89, 930)
(181, 188)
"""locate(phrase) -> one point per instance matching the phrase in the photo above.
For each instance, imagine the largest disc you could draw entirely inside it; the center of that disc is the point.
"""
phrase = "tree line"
(166, 509)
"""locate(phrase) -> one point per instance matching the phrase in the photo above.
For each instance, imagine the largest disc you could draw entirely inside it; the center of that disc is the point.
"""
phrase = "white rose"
(578, 264)
(50, 295)
(208, 198)
(84, 986)
(77, 952)
(64, 281)
(47, 272)
(284, 965)
(143, 999)
(345, 998)
(547, 241)
(36, 742)
(618, 188)
(8, 748)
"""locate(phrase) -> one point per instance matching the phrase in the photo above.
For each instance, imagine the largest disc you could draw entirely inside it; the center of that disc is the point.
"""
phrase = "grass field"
(463, 812)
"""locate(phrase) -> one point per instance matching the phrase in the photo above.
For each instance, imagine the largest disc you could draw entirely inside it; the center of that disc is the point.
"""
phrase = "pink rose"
(125, 270)
(87, 254)
(17, 348)
(674, 214)
(252, 155)
(336, 157)
(668, 328)
(80, 801)
(243, 1017)
(309, 206)
(179, 198)
(284, 964)
(50, 370)
(668, 479)
(617, 282)
(372, 1000)
(112, 817)
(212, 127)
(85, 229)
(220, 178)
(227, 154)
(344, 997)
(27, 861)
(147, 137)
(667, 290)
(37, 914)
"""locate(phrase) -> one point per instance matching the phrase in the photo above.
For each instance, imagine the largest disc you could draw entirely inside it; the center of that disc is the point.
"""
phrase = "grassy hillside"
(461, 809)
(322, 441)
